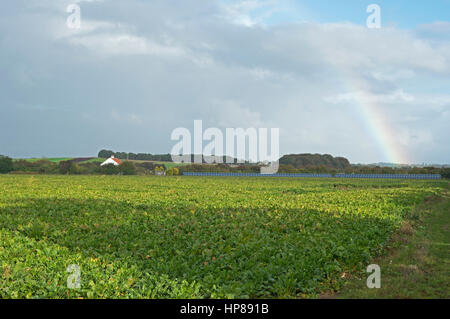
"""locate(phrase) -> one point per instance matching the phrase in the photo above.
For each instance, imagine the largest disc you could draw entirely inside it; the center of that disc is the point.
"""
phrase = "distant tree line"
(314, 160)
(366, 169)
(159, 157)
(133, 156)
(77, 167)
(6, 164)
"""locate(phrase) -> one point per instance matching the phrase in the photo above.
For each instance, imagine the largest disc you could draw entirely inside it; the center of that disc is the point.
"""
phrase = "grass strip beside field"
(417, 263)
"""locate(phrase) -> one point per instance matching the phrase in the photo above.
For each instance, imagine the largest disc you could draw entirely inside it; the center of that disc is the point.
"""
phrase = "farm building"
(112, 160)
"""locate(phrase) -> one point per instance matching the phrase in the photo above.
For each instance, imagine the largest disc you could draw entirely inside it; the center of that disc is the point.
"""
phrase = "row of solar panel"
(374, 176)
(390, 176)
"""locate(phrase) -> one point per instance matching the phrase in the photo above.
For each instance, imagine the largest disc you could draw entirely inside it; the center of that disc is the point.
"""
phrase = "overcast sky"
(137, 69)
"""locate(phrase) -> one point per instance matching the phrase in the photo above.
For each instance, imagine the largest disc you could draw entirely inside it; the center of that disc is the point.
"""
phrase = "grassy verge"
(417, 263)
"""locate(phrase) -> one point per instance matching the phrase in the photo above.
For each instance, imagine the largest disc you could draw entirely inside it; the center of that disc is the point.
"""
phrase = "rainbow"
(376, 122)
(381, 132)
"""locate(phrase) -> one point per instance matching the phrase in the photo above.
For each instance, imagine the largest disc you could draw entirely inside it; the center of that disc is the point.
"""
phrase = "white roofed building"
(112, 160)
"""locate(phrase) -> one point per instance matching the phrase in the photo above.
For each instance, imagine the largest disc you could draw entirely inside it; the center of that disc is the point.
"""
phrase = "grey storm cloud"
(136, 70)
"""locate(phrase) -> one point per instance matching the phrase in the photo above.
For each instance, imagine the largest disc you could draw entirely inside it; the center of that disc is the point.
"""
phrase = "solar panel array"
(390, 176)
(371, 176)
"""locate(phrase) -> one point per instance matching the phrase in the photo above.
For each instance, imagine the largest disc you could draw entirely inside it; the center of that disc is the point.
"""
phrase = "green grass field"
(189, 237)
(51, 159)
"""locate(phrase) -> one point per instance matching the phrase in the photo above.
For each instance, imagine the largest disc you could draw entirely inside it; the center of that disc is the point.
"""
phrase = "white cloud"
(229, 113)
(393, 75)
(242, 12)
(398, 96)
(124, 44)
(409, 137)
(437, 28)
(126, 118)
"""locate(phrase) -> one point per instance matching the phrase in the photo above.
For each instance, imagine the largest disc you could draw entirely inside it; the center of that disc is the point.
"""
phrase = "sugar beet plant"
(193, 237)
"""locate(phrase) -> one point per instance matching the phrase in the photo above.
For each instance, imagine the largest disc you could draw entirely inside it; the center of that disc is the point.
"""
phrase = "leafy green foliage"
(445, 172)
(127, 168)
(109, 169)
(6, 164)
(74, 169)
(172, 171)
(192, 237)
(69, 167)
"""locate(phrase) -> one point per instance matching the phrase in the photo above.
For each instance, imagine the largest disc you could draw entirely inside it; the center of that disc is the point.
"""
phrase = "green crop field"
(188, 237)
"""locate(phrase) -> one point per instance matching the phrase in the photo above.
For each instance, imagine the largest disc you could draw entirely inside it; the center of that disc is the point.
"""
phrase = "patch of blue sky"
(398, 13)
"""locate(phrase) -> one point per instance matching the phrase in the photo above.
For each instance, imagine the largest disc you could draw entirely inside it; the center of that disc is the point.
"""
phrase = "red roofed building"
(112, 160)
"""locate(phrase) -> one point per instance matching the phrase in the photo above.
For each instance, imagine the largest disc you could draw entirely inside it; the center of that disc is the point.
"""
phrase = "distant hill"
(314, 160)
